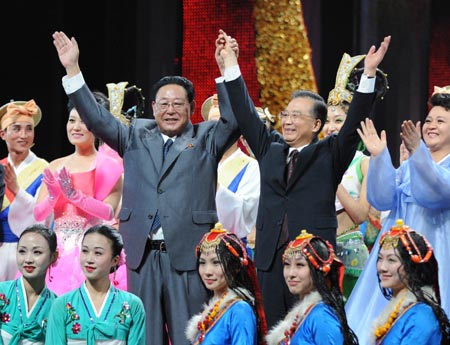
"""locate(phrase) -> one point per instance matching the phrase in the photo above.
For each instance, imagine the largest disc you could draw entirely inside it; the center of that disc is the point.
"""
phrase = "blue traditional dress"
(17, 323)
(310, 321)
(235, 323)
(74, 320)
(17, 211)
(415, 324)
(419, 193)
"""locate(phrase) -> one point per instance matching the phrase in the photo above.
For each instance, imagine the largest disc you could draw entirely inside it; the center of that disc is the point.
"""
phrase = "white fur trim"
(410, 298)
(276, 334)
(191, 330)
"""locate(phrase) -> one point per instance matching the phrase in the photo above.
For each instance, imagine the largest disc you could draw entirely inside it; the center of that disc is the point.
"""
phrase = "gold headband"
(212, 239)
(402, 233)
(302, 246)
(340, 93)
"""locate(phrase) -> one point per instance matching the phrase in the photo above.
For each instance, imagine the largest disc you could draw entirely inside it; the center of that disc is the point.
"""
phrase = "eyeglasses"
(294, 115)
(164, 105)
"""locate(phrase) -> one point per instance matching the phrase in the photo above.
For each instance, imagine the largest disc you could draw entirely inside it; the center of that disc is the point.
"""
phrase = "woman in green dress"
(97, 311)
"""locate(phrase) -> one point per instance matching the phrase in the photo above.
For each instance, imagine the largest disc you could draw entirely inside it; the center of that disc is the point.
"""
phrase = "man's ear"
(2, 134)
(317, 125)
(192, 105)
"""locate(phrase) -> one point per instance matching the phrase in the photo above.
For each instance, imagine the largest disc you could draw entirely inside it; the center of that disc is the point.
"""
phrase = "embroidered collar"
(296, 315)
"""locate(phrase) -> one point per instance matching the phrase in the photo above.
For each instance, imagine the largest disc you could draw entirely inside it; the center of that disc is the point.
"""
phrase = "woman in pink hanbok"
(79, 190)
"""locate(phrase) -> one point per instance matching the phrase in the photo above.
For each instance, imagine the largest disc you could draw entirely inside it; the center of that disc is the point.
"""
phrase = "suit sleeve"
(252, 128)
(225, 131)
(347, 140)
(99, 121)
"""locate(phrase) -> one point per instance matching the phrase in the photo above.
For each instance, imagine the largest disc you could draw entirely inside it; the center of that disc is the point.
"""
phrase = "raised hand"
(404, 153)
(52, 184)
(68, 52)
(374, 57)
(65, 182)
(410, 135)
(11, 178)
(375, 144)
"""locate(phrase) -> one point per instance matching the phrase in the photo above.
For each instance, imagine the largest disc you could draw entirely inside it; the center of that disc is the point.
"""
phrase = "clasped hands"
(59, 183)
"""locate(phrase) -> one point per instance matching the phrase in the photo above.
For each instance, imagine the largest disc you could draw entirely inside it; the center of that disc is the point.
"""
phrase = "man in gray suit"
(169, 190)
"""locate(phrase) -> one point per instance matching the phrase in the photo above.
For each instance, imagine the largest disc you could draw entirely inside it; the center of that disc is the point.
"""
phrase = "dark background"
(140, 41)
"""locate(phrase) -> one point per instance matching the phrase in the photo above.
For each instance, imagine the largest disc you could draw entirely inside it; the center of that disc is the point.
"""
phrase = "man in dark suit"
(169, 190)
(305, 199)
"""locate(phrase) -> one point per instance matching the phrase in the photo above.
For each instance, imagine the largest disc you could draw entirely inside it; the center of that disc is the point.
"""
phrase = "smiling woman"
(80, 190)
(313, 273)
(417, 192)
(25, 302)
(234, 315)
(97, 312)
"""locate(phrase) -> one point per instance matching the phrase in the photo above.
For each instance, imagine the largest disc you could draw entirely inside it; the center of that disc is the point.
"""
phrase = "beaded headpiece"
(212, 239)
(402, 233)
(302, 246)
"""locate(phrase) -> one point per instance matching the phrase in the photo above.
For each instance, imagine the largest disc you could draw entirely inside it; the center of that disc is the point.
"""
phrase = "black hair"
(327, 285)
(319, 109)
(45, 232)
(100, 98)
(110, 233)
(419, 275)
(440, 99)
(183, 82)
(133, 103)
(239, 276)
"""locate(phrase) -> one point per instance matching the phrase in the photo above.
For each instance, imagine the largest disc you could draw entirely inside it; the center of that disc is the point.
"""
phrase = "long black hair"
(327, 284)
(418, 275)
(240, 273)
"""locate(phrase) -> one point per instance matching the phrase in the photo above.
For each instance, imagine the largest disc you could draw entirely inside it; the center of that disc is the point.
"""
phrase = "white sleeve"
(72, 84)
(21, 214)
(237, 211)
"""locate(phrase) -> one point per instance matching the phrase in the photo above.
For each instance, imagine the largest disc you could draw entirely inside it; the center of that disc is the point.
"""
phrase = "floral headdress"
(402, 233)
(212, 239)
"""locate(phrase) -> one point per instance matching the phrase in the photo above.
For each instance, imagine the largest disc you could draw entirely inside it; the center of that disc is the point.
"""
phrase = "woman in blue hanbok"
(418, 192)
(26, 301)
(312, 272)
(97, 312)
(234, 315)
(408, 274)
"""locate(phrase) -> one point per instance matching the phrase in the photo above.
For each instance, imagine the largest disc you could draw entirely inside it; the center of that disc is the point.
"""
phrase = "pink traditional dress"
(70, 223)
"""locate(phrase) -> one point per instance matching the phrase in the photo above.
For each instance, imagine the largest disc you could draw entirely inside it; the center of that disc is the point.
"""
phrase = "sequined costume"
(70, 223)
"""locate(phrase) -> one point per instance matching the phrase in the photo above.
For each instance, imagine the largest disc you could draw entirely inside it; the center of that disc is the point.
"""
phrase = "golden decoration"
(283, 53)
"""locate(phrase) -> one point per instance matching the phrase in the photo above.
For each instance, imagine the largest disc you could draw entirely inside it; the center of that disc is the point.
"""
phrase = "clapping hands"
(375, 144)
